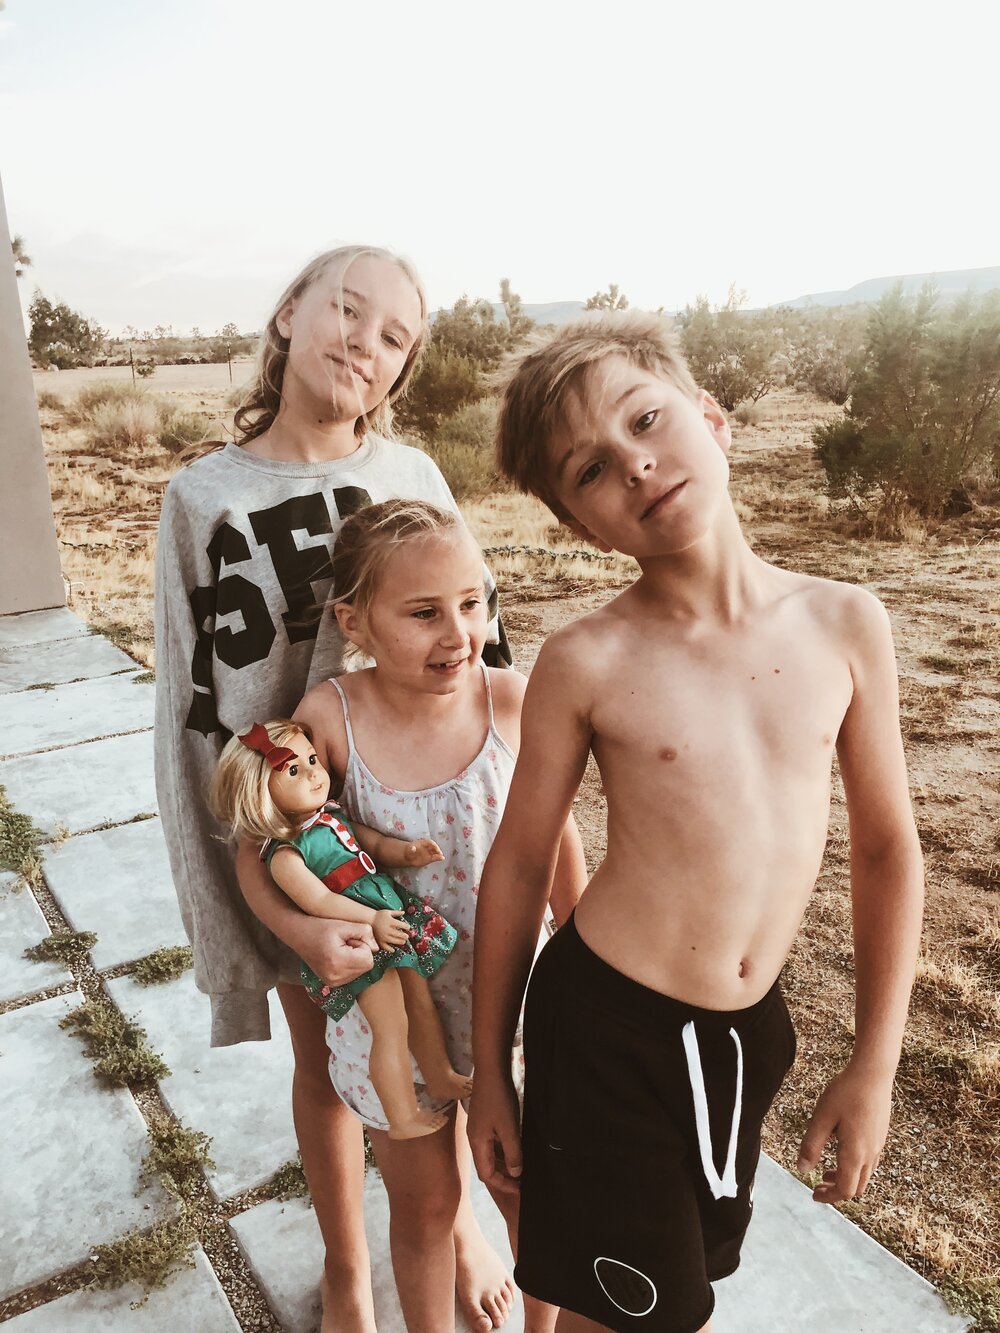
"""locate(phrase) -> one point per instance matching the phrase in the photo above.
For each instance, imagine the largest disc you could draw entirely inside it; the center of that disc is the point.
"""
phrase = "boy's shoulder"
(841, 606)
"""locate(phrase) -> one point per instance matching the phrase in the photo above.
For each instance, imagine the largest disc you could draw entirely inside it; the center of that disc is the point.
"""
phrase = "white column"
(30, 578)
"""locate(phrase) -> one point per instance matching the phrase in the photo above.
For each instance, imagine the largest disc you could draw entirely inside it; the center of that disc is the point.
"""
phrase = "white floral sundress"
(462, 816)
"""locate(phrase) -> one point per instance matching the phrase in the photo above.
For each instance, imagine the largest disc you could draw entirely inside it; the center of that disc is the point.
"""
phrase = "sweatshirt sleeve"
(227, 941)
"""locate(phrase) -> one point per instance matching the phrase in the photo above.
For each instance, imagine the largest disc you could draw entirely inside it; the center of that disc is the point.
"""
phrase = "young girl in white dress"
(424, 743)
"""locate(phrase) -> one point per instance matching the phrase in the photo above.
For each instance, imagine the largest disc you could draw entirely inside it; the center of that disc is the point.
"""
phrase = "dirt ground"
(934, 1200)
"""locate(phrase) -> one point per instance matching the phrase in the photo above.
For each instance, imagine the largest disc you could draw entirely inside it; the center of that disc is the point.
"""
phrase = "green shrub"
(462, 447)
(179, 429)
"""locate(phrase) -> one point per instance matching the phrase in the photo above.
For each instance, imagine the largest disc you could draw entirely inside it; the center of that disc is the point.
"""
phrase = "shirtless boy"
(712, 693)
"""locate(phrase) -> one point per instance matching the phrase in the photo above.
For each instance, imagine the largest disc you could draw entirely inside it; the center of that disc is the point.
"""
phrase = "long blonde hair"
(259, 405)
(239, 794)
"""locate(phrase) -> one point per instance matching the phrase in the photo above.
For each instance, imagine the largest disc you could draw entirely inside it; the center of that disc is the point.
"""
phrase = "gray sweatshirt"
(242, 560)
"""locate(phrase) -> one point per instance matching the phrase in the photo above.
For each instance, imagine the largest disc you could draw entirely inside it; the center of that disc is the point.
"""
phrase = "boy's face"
(639, 466)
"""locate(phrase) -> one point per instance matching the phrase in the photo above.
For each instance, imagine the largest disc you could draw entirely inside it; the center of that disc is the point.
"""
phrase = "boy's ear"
(350, 623)
(578, 530)
(283, 319)
(717, 421)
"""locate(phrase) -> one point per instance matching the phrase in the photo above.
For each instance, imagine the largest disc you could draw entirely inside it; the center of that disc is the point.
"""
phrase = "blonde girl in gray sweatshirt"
(242, 575)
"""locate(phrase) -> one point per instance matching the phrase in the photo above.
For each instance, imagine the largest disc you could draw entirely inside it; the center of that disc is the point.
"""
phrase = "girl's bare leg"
(486, 1291)
(389, 1061)
(427, 1040)
(333, 1158)
(421, 1179)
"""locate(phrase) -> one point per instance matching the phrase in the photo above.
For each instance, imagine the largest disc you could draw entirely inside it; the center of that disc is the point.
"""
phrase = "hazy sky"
(176, 163)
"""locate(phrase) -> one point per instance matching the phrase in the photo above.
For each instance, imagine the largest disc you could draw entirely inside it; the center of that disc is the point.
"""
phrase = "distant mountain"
(955, 283)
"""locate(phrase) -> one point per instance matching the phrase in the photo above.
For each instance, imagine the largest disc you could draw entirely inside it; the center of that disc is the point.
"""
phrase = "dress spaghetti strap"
(347, 716)
(489, 694)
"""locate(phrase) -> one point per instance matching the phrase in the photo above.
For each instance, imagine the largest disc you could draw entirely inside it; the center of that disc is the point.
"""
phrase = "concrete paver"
(70, 1151)
(282, 1244)
(41, 627)
(101, 782)
(191, 1302)
(59, 661)
(22, 925)
(239, 1095)
(69, 714)
(117, 883)
(806, 1267)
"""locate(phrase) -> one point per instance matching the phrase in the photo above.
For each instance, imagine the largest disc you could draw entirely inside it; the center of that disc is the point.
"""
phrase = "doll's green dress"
(328, 847)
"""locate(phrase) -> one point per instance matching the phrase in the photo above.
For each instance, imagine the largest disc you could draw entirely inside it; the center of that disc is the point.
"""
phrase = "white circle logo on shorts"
(626, 1287)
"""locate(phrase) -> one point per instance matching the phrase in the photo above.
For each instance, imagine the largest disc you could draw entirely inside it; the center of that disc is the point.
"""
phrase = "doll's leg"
(333, 1158)
(389, 1062)
(427, 1040)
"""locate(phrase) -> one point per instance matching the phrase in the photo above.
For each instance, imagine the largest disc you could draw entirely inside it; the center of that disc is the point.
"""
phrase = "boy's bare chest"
(778, 703)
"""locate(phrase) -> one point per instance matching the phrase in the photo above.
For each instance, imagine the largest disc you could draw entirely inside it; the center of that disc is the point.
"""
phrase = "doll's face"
(303, 784)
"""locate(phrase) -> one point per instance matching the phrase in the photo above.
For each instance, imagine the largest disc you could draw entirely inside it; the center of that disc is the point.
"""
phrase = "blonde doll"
(270, 785)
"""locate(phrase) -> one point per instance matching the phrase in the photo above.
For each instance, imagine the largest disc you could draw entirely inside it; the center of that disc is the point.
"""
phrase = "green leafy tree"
(922, 428)
(609, 300)
(60, 336)
(22, 259)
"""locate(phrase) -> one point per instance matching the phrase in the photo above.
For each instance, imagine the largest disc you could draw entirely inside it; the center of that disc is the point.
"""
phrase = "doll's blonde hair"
(239, 794)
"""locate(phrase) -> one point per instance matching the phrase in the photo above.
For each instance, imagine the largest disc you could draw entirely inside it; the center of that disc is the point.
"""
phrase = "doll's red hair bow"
(258, 739)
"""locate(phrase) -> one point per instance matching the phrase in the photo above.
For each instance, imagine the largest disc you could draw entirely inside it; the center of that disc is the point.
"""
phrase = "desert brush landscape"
(111, 448)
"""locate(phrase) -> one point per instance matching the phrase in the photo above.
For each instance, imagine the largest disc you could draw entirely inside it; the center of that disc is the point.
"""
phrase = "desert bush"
(462, 447)
(62, 337)
(94, 395)
(48, 401)
(178, 429)
(747, 414)
(923, 424)
(126, 425)
(145, 368)
(735, 355)
(826, 347)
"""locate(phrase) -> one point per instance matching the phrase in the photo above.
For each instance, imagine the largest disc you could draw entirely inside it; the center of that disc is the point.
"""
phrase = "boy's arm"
(887, 891)
(555, 741)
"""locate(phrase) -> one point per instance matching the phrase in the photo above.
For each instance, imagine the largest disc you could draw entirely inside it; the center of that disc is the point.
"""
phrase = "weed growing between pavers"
(42, 685)
(63, 946)
(144, 678)
(163, 965)
(146, 1257)
(176, 1156)
(974, 1296)
(118, 1047)
(19, 843)
(288, 1182)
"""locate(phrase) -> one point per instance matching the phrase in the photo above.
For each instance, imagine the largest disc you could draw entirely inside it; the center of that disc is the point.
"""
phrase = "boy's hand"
(495, 1134)
(390, 932)
(853, 1111)
(339, 951)
(423, 852)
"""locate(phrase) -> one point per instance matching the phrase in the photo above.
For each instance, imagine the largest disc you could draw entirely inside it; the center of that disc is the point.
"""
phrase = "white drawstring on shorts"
(724, 1186)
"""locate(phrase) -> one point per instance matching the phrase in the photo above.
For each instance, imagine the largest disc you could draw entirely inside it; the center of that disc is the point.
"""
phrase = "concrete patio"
(76, 756)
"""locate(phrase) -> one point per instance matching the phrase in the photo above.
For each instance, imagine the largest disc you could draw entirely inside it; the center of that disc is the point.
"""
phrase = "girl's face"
(303, 784)
(349, 335)
(426, 624)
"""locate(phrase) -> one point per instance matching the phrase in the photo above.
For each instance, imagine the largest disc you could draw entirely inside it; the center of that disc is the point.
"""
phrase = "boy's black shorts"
(641, 1135)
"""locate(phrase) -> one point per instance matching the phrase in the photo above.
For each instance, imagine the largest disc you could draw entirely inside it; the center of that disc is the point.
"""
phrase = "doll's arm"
(396, 853)
(308, 891)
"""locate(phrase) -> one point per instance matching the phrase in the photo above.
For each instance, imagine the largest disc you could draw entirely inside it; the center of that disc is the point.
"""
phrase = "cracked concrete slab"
(102, 782)
(22, 926)
(55, 663)
(40, 627)
(239, 1095)
(281, 1242)
(117, 883)
(41, 719)
(70, 1152)
(192, 1302)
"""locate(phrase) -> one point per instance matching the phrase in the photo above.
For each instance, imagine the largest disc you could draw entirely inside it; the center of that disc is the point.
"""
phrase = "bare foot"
(485, 1289)
(424, 1122)
(450, 1087)
(360, 1318)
